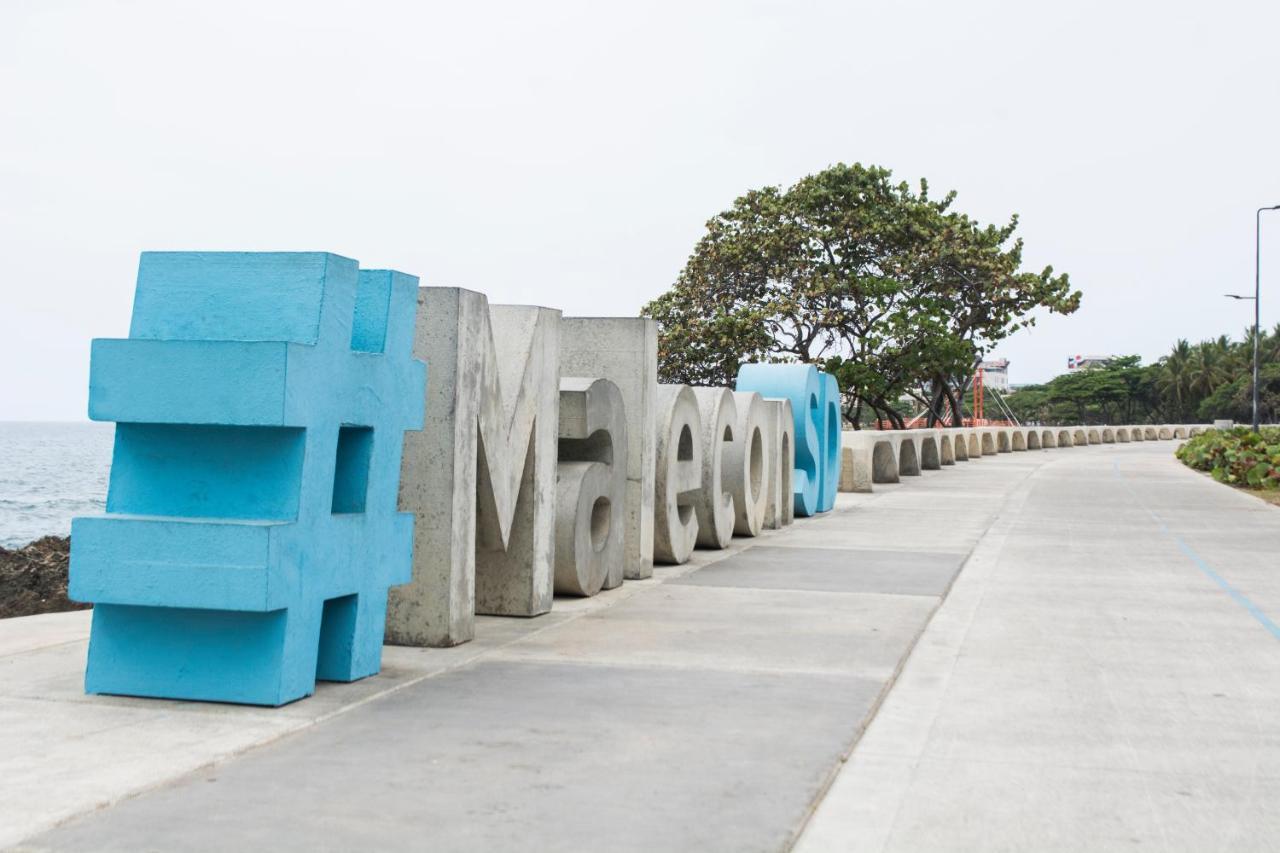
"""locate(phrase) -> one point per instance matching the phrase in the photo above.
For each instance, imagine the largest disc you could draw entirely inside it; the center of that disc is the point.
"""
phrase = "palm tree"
(1174, 374)
(1269, 351)
(1208, 368)
(1230, 355)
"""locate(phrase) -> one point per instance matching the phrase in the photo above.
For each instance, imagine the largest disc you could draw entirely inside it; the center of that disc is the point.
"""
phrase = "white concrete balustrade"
(886, 456)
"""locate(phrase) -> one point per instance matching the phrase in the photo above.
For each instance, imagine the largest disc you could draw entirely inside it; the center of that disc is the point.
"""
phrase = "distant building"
(995, 374)
(1084, 362)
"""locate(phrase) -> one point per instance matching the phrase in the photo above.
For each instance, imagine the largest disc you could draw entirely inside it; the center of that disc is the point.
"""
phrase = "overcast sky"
(568, 154)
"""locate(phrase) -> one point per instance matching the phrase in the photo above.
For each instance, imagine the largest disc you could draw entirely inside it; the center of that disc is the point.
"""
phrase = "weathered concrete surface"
(1090, 683)
(64, 753)
(591, 487)
(480, 476)
(624, 350)
(859, 452)
(678, 479)
(747, 461)
(946, 448)
(678, 716)
(781, 438)
(884, 456)
(908, 447)
(1086, 684)
(918, 449)
(892, 572)
(714, 506)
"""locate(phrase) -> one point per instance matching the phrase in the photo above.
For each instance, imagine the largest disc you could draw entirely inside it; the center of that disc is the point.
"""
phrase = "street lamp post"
(1257, 303)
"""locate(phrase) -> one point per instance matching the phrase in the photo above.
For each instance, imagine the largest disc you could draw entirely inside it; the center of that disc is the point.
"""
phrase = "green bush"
(1237, 456)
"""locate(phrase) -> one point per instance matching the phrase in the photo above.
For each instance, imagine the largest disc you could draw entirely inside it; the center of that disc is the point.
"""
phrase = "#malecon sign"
(299, 440)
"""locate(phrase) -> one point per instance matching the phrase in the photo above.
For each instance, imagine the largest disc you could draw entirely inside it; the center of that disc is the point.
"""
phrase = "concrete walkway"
(1095, 678)
(703, 710)
(1104, 675)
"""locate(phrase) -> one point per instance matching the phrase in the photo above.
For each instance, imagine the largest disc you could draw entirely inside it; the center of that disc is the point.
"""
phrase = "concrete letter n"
(830, 437)
(715, 506)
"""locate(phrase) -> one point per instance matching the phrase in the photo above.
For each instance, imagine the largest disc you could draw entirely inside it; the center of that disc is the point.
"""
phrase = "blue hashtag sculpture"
(815, 404)
(251, 530)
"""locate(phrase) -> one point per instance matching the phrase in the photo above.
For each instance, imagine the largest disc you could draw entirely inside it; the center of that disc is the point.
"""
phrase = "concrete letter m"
(480, 478)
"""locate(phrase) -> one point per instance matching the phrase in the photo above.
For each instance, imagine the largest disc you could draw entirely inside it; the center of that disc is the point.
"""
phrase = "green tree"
(1119, 392)
(985, 296)
(1174, 378)
(1030, 404)
(877, 282)
(1234, 400)
(1210, 367)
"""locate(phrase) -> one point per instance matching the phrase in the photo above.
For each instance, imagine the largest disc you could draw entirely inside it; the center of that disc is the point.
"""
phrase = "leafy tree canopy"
(1192, 383)
(887, 288)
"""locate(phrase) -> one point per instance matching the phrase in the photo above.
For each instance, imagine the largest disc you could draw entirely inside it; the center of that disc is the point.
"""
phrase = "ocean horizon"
(50, 472)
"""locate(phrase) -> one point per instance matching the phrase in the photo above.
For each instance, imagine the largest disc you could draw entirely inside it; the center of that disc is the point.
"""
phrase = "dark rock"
(33, 578)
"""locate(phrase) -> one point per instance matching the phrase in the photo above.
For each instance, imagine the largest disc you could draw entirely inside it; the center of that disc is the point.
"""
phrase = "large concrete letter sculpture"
(747, 463)
(714, 506)
(251, 530)
(815, 405)
(829, 432)
(591, 485)
(480, 475)
(624, 350)
(678, 483)
(781, 439)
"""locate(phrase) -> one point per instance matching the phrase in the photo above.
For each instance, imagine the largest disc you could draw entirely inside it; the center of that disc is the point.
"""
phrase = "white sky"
(568, 154)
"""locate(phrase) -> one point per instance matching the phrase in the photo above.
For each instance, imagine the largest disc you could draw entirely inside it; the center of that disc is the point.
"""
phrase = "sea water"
(49, 473)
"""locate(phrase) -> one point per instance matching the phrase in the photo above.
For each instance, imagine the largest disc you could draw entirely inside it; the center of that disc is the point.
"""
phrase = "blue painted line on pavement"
(1237, 596)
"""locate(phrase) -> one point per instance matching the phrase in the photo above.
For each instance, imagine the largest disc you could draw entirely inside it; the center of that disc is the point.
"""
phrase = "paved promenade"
(1103, 674)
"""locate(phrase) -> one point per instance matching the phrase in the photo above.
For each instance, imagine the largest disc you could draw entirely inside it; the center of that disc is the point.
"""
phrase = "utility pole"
(1257, 304)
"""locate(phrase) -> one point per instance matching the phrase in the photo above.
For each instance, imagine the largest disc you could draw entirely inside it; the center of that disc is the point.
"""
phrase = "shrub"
(1237, 456)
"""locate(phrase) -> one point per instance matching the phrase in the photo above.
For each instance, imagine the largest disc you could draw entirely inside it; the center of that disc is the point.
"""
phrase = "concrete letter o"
(748, 461)
(715, 507)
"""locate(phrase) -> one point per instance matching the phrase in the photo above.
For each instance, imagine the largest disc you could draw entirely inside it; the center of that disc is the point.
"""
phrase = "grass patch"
(1271, 496)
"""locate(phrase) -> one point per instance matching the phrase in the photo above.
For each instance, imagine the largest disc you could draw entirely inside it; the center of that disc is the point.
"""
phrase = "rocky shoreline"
(33, 578)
